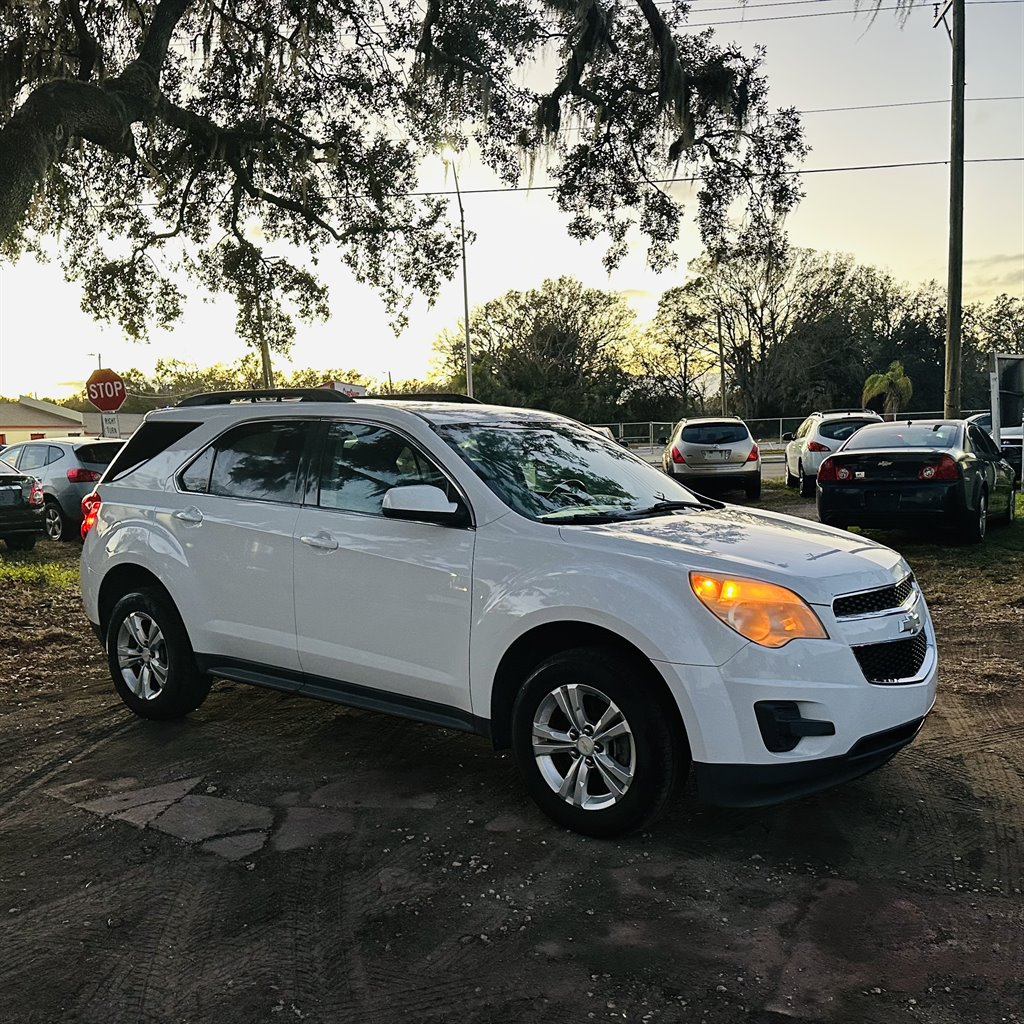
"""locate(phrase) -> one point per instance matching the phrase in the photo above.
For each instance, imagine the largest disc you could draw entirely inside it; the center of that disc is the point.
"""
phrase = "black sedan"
(915, 474)
(22, 511)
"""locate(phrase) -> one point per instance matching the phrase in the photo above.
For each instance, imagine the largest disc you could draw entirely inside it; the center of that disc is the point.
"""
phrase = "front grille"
(894, 660)
(870, 601)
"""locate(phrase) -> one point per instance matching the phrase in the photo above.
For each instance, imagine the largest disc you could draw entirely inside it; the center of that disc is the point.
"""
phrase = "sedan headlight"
(763, 612)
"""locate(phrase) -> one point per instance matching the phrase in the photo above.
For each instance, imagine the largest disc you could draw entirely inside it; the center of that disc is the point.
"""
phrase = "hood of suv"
(816, 561)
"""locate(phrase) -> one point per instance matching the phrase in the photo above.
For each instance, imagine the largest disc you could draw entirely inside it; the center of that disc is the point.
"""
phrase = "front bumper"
(745, 785)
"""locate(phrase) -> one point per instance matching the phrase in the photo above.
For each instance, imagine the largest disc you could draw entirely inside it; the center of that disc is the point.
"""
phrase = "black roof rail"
(828, 412)
(427, 396)
(264, 395)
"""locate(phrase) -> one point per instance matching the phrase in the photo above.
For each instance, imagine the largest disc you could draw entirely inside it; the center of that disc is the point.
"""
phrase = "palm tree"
(894, 385)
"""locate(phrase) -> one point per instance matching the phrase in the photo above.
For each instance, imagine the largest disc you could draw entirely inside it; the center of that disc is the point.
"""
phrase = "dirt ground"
(274, 859)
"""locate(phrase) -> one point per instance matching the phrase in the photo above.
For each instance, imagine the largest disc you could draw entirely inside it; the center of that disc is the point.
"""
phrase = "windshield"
(905, 435)
(558, 471)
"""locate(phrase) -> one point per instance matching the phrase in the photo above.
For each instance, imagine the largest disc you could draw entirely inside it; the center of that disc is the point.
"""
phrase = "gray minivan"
(68, 468)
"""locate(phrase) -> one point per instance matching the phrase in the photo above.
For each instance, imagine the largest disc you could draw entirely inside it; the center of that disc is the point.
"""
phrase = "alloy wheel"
(982, 515)
(584, 747)
(142, 655)
(53, 521)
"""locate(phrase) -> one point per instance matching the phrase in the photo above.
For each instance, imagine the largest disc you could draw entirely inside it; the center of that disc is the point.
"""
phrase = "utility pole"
(721, 364)
(268, 370)
(955, 266)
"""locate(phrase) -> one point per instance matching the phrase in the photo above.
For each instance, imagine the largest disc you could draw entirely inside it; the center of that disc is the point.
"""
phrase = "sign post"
(106, 391)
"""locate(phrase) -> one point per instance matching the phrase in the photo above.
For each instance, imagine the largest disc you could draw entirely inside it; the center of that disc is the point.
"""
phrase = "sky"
(893, 218)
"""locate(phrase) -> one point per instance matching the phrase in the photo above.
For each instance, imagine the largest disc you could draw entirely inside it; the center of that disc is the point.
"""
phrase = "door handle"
(322, 541)
(189, 515)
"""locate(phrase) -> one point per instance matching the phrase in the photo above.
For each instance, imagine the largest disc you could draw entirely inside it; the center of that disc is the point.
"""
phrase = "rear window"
(905, 435)
(715, 433)
(100, 453)
(146, 443)
(6, 470)
(840, 430)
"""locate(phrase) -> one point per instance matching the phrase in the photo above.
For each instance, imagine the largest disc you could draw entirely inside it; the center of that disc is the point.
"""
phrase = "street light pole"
(465, 286)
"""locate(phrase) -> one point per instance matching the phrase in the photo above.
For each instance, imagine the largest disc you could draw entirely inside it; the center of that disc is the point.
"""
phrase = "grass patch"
(49, 564)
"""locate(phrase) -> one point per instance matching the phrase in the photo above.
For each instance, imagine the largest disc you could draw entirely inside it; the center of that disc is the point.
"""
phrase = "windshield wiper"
(585, 517)
(661, 507)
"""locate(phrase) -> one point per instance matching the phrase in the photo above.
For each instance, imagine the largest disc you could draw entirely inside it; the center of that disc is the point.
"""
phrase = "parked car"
(510, 573)
(918, 474)
(68, 468)
(715, 450)
(1011, 444)
(21, 509)
(819, 435)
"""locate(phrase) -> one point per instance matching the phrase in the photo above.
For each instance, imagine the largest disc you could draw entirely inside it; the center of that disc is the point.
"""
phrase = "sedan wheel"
(976, 521)
(142, 655)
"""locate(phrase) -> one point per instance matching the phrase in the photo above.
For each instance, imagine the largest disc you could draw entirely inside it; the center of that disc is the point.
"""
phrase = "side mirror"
(662, 439)
(789, 436)
(423, 503)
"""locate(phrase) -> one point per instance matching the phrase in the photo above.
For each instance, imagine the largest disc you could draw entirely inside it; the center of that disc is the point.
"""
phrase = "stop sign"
(105, 389)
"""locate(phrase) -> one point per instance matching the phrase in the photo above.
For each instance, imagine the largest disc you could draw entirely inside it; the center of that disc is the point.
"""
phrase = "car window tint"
(54, 454)
(804, 428)
(715, 433)
(362, 462)
(10, 456)
(983, 444)
(33, 457)
(905, 435)
(840, 430)
(196, 477)
(259, 461)
(99, 454)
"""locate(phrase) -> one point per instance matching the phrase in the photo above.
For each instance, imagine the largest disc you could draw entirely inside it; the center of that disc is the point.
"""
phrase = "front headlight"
(763, 612)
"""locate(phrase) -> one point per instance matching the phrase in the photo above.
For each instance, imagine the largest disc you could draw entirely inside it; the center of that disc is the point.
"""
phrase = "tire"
(975, 521)
(791, 481)
(21, 543)
(805, 483)
(57, 525)
(753, 490)
(154, 673)
(1011, 513)
(627, 784)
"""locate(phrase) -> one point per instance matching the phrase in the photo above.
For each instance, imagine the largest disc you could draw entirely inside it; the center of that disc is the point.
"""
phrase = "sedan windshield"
(557, 472)
(905, 435)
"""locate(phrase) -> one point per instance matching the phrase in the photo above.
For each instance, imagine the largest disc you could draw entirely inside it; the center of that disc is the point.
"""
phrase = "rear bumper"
(757, 785)
(891, 505)
(17, 523)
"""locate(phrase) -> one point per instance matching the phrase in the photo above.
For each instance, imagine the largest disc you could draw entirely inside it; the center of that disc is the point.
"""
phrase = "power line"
(830, 14)
(905, 103)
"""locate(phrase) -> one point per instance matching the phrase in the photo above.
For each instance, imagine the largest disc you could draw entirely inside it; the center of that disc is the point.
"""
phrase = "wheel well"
(539, 644)
(123, 579)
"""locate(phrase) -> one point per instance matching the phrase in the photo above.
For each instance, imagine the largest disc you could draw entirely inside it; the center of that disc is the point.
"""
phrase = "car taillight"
(754, 455)
(90, 510)
(83, 476)
(677, 456)
(35, 494)
(827, 472)
(946, 468)
(817, 446)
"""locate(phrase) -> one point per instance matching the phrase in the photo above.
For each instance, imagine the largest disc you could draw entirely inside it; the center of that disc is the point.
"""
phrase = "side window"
(33, 457)
(54, 454)
(804, 429)
(10, 455)
(983, 444)
(362, 462)
(255, 461)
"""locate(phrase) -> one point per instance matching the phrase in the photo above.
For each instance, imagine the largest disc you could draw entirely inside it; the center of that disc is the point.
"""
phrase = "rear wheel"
(1011, 511)
(595, 747)
(57, 526)
(151, 659)
(975, 521)
(806, 483)
(21, 543)
(754, 490)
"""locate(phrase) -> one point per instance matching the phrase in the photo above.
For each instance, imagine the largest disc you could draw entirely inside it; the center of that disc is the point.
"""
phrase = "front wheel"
(151, 659)
(596, 748)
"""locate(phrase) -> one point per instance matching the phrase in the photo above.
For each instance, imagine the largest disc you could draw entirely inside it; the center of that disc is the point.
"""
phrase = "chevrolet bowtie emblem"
(910, 623)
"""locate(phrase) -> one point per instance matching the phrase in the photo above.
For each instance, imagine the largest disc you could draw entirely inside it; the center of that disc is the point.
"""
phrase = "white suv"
(510, 573)
(819, 435)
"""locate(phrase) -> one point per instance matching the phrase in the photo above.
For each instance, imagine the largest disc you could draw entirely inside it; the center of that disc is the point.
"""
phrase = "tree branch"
(88, 48)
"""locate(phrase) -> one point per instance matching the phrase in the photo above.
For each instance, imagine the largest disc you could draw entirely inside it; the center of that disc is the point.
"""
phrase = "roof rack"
(265, 395)
(427, 396)
(828, 412)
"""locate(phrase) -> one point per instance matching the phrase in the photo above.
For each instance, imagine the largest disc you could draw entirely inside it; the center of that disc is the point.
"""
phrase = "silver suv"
(716, 450)
(818, 436)
(68, 468)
